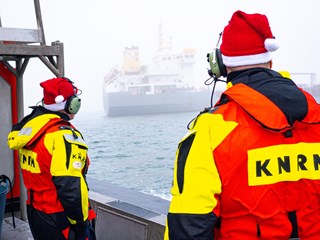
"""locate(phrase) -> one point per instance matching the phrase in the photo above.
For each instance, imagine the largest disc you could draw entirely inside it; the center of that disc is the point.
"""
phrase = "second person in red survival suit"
(54, 162)
(251, 164)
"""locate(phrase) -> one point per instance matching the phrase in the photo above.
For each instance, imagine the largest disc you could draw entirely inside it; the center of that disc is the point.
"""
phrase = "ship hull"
(124, 104)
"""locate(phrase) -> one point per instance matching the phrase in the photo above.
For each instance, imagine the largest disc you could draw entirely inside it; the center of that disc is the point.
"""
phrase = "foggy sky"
(95, 33)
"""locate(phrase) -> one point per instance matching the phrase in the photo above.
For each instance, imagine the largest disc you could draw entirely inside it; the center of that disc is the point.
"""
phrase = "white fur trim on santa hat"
(246, 60)
(55, 106)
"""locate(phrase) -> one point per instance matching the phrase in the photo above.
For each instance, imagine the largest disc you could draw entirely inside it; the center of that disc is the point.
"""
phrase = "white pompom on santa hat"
(247, 40)
(56, 92)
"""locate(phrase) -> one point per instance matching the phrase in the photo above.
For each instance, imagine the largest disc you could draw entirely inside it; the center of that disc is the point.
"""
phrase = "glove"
(79, 231)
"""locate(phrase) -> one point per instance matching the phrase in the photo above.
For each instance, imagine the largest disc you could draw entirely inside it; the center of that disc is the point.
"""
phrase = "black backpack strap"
(293, 219)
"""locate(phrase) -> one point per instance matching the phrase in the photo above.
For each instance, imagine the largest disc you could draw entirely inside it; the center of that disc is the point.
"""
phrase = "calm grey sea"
(136, 152)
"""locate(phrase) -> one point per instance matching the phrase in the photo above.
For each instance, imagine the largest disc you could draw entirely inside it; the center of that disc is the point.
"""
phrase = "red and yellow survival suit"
(54, 161)
(251, 165)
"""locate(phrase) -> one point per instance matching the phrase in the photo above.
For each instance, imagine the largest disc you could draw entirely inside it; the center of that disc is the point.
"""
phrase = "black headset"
(217, 68)
(73, 103)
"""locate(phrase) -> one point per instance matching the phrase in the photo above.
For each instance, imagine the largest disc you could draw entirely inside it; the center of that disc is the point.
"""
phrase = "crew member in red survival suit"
(54, 162)
(249, 166)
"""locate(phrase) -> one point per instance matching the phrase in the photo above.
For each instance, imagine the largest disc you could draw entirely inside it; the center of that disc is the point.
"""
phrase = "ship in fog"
(166, 85)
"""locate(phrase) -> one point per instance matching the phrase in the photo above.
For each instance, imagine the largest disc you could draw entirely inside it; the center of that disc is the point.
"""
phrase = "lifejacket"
(54, 161)
(252, 163)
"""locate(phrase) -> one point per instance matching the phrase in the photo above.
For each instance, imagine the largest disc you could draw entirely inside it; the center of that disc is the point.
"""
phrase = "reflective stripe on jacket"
(250, 162)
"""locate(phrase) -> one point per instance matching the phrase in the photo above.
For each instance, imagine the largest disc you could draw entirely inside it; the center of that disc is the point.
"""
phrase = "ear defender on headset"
(73, 105)
(217, 68)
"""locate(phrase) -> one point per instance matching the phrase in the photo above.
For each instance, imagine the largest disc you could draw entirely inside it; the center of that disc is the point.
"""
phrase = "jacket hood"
(273, 101)
(29, 127)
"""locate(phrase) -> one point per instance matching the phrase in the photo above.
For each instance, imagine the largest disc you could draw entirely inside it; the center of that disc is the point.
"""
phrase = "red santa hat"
(56, 92)
(247, 40)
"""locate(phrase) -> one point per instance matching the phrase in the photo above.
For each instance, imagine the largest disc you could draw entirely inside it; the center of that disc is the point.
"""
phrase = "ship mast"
(163, 45)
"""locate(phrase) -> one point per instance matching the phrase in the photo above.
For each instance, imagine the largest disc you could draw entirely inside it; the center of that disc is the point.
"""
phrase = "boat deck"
(20, 232)
(142, 214)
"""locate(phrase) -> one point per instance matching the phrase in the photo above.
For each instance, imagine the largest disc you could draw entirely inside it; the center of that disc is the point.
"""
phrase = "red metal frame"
(10, 78)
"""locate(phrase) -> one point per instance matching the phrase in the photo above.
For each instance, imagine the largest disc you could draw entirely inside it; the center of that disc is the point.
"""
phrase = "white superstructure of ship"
(165, 85)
